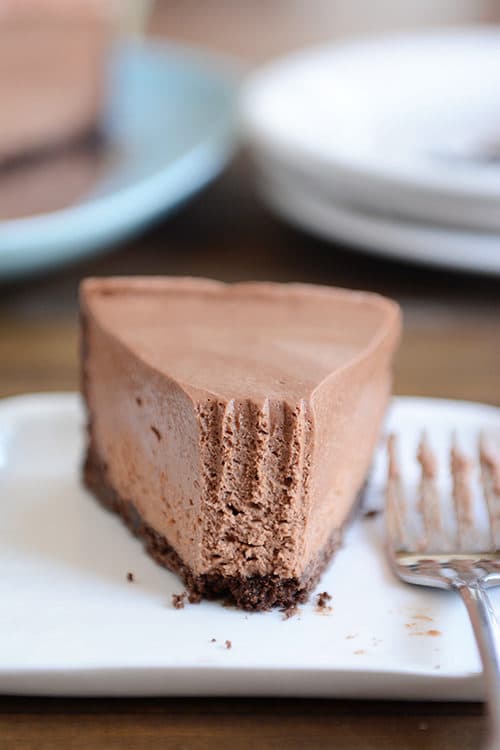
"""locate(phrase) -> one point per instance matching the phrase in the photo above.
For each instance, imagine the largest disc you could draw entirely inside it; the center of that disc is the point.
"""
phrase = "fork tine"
(490, 474)
(429, 503)
(396, 506)
(468, 572)
(460, 468)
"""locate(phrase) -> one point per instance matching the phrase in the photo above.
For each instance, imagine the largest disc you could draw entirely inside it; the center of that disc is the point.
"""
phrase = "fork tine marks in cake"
(489, 459)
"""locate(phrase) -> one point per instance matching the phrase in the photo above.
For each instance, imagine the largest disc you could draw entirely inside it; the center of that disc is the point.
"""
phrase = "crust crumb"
(290, 612)
(178, 600)
(322, 605)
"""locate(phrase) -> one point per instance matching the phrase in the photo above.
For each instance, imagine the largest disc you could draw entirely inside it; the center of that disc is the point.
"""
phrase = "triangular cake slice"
(232, 426)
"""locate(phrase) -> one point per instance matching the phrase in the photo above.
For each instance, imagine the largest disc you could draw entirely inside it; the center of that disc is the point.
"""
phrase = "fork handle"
(487, 634)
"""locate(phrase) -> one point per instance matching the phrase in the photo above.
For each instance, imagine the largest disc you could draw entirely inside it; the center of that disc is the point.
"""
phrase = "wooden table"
(451, 347)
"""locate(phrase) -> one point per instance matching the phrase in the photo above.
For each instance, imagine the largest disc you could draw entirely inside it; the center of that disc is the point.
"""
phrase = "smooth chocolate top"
(239, 419)
(249, 340)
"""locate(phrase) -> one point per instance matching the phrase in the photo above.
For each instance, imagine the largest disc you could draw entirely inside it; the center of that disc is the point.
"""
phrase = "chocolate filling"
(258, 592)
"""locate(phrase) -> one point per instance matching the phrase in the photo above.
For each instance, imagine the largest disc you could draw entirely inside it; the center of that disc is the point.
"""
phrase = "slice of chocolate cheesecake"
(232, 426)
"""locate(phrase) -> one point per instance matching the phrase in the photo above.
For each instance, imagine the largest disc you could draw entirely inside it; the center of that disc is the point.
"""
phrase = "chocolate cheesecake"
(52, 68)
(232, 426)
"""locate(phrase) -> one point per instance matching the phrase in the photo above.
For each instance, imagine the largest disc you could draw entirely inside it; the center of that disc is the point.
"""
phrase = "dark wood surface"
(451, 348)
(230, 724)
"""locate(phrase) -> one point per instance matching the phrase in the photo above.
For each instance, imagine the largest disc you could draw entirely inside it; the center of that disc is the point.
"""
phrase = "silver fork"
(426, 550)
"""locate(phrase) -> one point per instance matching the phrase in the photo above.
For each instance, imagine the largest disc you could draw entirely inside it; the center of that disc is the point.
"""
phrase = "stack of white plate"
(391, 146)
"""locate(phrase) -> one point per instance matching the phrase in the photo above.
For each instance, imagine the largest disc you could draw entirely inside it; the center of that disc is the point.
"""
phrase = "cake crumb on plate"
(289, 612)
(322, 600)
(178, 600)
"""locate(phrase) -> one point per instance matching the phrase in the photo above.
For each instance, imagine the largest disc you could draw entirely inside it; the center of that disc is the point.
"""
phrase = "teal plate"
(169, 125)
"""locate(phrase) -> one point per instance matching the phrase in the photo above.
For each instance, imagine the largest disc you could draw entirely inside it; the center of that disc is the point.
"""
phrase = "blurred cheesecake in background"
(52, 58)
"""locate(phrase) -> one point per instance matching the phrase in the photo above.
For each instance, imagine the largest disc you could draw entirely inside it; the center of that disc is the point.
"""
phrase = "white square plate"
(72, 624)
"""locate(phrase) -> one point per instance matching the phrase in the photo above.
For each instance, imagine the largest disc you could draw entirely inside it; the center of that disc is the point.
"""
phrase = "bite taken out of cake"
(232, 426)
